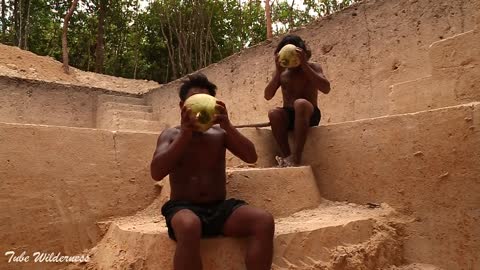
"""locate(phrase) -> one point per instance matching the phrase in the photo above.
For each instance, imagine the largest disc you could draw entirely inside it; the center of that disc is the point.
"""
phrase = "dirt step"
(111, 114)
(120, 99)
(332, 235)
(455, 69)
(281, 191)
(124, 107)
(130, 124)
(455, 51)
(126, 117)
(139, 125)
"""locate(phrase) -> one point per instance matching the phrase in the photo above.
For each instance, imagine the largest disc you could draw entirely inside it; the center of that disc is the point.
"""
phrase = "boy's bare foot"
(286, 162)
(280, 161)
(290, 162)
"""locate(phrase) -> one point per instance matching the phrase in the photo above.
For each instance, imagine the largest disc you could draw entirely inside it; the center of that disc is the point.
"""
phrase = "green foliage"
(45, 31)
(163, 41)
(327, 7)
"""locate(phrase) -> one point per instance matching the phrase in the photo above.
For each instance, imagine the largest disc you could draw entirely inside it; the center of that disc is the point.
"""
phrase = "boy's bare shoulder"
(217, 131)
(168, 134)
(171, 131)
(316, 66)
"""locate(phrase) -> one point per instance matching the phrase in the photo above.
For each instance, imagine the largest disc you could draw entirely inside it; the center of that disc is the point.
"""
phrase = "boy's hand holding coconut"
(204, 111)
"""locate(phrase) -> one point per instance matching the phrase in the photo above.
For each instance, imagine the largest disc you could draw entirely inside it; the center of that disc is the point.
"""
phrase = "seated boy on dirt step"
(198, 206)
(300, 86)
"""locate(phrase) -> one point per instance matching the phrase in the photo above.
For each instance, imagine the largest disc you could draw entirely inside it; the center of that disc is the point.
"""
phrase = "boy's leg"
(259, 226)
(279, 122)
(303, 113)
(188, 231)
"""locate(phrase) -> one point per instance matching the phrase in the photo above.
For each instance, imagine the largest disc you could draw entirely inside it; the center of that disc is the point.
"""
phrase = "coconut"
(288, 56)
(203, 109)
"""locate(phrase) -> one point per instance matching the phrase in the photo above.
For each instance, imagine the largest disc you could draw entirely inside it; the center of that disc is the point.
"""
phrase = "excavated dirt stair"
(311, 233)
(126, 114)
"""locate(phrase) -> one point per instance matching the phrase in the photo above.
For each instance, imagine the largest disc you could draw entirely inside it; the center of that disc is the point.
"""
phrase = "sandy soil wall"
(37, 102)
(364, 50)
(425, 164)
(56, 183)
(455, 77)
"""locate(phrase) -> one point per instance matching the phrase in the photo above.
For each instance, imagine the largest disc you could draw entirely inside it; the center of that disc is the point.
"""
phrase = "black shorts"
(314, 119)
(212, 215)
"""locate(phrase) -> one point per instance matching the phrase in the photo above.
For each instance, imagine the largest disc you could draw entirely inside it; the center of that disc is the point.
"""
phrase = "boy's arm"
(240, 145)
(235, 142)
(171, 145)
(274, 83)
(314, 73)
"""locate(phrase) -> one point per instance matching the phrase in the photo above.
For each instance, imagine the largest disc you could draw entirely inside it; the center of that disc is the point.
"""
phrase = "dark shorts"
(212, 215)
(314, 119)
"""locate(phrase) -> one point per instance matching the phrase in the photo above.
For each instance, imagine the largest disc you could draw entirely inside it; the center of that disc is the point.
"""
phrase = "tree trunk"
(15, 22)
(100, 49)
(64, 36)
(290, 18)
(178, 31)
(89, 57)
(268, 15)
(136, 64)
(171, 55)
(26, 22)
(166, 73)
(328, 7)
(335, 5)
(137, 39)
(20, 24)
(4, 26)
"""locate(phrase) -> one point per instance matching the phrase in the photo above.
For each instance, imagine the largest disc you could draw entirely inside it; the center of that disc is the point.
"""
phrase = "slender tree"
(292, 15)
(16, 21)
(100, 48)
(68, 16)
(24, 23)
(137, 39)
(20, 23)
(268, 15)
(4, 21)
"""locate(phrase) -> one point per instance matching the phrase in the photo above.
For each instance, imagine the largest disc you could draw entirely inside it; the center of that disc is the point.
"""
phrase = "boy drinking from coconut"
(300, 86)
(195, 162)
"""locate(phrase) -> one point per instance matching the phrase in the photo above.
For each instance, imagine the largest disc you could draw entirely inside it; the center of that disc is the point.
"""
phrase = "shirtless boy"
(198, 206)
(300, 111)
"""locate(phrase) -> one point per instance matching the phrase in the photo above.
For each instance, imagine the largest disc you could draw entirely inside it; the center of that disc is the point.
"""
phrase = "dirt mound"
(15, 62)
